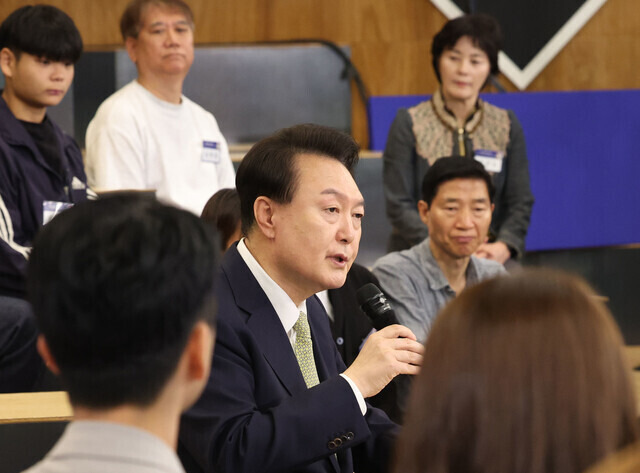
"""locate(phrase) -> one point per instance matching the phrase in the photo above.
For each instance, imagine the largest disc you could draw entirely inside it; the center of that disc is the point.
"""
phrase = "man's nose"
(346, 231)
(171, 38)
(465, 218)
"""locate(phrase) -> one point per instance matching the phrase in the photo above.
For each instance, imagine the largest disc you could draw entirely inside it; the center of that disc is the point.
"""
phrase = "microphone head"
(376, 306)
(368, 292)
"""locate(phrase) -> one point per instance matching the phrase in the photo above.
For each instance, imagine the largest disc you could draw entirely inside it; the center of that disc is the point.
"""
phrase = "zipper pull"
(461, 147)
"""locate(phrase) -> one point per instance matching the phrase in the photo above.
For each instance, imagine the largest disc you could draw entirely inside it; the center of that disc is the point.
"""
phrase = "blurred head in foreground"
(521, 374)
(122, 290)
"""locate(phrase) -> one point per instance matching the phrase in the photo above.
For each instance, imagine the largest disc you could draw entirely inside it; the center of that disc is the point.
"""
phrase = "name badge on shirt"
(491, 160)
(51, 208)
(210, 152)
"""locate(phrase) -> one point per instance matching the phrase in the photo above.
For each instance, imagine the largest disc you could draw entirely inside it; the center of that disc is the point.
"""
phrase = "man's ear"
(199, 351)
(7, 62)
(423, 210)
(195, 364)
(130, 45)
(45, 353)
(263, 211)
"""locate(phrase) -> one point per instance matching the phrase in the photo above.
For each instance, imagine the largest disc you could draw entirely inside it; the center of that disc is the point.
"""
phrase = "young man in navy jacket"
(41, 168)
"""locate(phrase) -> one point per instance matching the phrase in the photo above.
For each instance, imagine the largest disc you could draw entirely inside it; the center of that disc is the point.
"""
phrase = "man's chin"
(176, 69)
(338, 281)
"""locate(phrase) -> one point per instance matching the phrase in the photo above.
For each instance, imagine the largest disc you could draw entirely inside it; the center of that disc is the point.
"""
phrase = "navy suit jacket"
(256, 413)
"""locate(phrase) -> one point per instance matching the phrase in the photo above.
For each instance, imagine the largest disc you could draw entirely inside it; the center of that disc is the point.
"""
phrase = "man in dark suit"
(279, 398)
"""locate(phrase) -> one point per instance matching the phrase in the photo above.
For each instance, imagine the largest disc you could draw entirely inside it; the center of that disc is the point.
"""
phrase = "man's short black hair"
(450, 168)
(117, 286)
(269, 168)
(43, 31)
(483, 30)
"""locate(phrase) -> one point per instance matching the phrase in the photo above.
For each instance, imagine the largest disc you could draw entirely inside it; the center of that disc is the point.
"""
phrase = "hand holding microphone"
(391, 351)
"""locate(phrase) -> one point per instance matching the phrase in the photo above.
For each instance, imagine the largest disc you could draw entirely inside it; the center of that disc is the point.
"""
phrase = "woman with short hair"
(456, 122)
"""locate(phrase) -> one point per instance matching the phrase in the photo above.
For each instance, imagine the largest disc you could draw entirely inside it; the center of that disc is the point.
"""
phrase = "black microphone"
(376, 306)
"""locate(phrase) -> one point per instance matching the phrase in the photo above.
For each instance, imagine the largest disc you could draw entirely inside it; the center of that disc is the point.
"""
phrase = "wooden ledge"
(35, 407)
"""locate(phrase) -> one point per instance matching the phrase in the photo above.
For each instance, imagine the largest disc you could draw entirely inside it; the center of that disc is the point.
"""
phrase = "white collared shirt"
(287, 311)
(326, 302)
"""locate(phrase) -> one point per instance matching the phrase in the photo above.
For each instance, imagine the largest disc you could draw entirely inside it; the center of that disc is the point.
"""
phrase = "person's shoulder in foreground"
(273, 403)
(122, 290)
(148, 135)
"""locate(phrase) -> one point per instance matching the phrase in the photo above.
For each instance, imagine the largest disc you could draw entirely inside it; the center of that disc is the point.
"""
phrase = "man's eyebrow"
(163, 23)
(339, 195)
(459, 199)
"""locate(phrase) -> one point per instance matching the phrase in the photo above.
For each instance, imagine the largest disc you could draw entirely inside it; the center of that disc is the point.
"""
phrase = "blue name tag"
(210, 152)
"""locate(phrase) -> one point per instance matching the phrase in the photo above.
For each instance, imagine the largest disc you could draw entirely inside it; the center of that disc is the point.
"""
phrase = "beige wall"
(390, 39)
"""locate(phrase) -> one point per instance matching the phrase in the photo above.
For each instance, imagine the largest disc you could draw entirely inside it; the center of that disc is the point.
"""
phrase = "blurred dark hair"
(450, 168)
(222, 213)
(483, 30)
(42, 31)
(269, 168)
(521, 374)
(117, 286)
(131, 20)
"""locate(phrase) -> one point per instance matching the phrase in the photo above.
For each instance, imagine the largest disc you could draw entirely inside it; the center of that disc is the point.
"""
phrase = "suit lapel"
(263, 322)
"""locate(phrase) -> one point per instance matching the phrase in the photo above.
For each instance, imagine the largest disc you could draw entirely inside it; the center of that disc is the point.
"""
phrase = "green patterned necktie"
(304, 351)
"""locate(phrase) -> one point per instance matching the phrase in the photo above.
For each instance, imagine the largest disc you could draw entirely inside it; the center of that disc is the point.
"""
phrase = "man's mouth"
(339, 259)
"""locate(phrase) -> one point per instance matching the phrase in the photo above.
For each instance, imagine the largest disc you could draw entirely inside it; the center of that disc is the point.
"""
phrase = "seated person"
(222, 213)
(521, 374)
(41, 170)
(279, 398)
(456, 206)
(122, 289)
(40, 166)
(148, 135)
